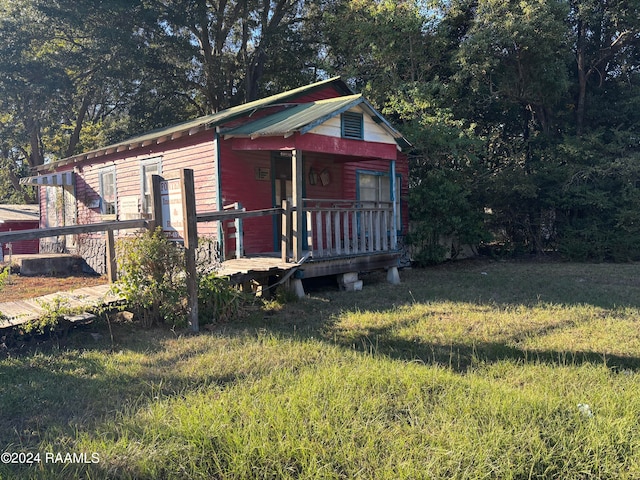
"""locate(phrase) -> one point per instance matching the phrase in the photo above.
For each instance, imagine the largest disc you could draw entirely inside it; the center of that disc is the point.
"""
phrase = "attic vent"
(352, 125)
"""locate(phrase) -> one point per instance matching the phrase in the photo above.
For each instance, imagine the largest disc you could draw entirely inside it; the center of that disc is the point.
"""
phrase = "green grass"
(473, 370)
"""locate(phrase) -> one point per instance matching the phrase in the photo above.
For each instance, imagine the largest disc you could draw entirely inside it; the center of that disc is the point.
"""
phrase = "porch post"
(394, 214)
(297, 177)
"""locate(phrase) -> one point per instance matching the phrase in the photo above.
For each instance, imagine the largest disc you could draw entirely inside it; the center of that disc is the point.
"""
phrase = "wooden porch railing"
(336, 228)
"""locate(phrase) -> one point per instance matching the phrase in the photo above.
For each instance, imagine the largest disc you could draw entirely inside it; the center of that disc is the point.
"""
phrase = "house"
(322, 147)
(18, 217)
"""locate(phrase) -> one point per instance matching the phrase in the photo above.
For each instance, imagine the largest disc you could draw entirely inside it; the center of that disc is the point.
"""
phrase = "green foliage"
(218, 301)
(440, 209)
(524, 105)
(4, 276)
(151, 278)
(52, 316)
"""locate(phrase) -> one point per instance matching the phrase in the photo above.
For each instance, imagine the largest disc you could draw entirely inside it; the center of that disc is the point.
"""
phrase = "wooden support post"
(237, 223)
(284, 234)
(297, 176)
(112, 271)
(393, 194)
(190, 243)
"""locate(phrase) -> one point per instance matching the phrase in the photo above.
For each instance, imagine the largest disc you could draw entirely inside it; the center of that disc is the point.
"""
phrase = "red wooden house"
(322, 147)
(18, 217)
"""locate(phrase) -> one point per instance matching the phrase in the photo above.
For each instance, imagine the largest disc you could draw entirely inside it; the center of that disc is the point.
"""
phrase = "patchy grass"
(464, 371)
(18, 287)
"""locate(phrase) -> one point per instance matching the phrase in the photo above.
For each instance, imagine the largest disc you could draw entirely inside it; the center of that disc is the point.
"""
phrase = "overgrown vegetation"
(485, 370)
(151, 279)
(4, 276)
(52, 317)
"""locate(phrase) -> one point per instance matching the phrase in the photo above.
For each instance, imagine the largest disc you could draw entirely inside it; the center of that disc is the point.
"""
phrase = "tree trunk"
(75, 135)
(582, 79)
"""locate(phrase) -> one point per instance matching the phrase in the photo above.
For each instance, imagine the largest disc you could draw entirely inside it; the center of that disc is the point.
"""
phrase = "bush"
(151, 278)
(218, 301)
(4, 276)
(440, 208)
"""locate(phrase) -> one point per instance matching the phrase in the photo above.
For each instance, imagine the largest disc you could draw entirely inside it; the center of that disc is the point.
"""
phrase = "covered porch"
(317, 236)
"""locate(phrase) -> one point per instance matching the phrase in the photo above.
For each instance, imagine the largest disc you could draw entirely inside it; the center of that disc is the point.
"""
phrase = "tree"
(232, 43)
(606, 35)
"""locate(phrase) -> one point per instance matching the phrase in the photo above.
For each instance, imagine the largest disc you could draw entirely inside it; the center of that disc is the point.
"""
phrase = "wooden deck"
(23, 311)
(257, 269)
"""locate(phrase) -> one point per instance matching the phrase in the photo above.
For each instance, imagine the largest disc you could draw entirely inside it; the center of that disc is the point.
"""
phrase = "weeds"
(537, 383)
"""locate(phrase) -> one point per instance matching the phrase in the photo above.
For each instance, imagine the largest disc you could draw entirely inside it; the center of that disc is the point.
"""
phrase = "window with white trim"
(375, 187)
(108, 200)
(152, 166)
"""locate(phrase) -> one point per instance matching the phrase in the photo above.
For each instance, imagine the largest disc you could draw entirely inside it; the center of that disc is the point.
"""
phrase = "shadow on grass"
(483, 286)
(53, 391)
(461, 356)
(48, 390)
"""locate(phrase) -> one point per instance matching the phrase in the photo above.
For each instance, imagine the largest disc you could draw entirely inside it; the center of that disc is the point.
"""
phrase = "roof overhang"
(52, 179)
(302, 118)
(199, 124)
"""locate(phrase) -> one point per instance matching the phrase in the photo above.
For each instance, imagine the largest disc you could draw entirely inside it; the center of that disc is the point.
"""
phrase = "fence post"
(190, 243)
(284, 234)
(112, 271)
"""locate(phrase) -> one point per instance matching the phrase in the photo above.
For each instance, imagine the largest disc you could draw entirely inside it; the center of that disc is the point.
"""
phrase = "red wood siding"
(239, 184)
(196, 152)
(23, 246)
(322, 94)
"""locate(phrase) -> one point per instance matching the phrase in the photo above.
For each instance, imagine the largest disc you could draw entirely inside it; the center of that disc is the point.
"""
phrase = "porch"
(334, 237)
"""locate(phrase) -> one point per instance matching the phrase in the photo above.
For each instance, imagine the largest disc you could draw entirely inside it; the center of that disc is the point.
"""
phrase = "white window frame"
(379, 176)
(146, 206)
(104, 210)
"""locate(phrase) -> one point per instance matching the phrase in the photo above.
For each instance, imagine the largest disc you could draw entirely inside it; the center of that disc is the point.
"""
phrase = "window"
(375, 187)
(352, 125)
(108, 191)
(153, 166)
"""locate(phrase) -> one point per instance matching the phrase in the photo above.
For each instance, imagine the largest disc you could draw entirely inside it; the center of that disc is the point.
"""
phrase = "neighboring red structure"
(19, 217)
(244, 154)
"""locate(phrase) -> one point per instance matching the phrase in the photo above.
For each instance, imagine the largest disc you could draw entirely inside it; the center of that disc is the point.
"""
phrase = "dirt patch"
(21, 288)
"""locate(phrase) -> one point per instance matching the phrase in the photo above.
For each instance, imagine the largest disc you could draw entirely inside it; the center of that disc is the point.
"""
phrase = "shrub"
(152, 278)
(4, 276)
(218, 301)
(52, 317)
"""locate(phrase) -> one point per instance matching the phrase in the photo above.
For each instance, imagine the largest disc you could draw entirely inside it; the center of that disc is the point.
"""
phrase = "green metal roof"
(304, 117)
(198, 124)
(294, 118)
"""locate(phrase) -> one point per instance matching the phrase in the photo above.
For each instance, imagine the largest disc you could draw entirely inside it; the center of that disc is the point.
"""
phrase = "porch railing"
(337, 228)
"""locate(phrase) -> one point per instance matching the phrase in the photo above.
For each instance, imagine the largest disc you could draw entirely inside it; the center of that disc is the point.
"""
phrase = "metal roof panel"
(294, 118)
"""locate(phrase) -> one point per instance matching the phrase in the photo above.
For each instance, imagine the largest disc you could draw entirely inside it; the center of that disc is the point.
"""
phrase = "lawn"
(472, 370)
